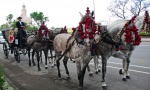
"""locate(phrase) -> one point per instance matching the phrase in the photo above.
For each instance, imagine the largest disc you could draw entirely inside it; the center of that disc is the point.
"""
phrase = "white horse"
(106, 50)
(75, 48)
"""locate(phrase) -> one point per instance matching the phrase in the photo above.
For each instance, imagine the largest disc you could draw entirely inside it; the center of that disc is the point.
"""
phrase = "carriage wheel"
(5, 49)
(17, 55)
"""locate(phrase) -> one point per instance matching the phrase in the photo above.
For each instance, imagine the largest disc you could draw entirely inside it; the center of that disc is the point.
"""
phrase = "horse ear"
(81, 14)
(92, 13)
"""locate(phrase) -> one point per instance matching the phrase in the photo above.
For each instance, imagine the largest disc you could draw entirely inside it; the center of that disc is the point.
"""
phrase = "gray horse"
(116, 32)
(75, 47)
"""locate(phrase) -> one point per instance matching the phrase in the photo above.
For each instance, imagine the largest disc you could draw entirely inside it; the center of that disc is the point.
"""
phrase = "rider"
(64, 30)
(43, 31)
(21, 27)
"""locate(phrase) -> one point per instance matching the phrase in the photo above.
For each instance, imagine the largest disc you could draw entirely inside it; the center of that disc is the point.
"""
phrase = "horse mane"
(117, 24)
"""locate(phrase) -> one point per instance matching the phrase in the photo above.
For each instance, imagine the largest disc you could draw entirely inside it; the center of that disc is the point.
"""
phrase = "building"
(26, 19)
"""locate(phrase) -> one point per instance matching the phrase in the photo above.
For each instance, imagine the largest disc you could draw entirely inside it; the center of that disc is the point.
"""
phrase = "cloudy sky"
(60, 12)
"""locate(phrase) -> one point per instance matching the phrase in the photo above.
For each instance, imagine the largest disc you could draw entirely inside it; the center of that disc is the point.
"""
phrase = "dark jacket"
(19, 25)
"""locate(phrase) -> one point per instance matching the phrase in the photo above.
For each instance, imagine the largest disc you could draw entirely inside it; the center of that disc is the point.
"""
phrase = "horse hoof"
(104, 87)
(99, 70)
(82, 88)
(90, 74)
(96, 72)
(60, 78)
(30, 65)
(120, 71)
(39, 69)
(73, 61)
(124, 79)
(128, 77)
(68, 77)
(46, 67)
(34, 64)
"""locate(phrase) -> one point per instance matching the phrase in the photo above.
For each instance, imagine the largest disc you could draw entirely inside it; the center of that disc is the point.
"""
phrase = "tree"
(3, 26)
(127, 8)
(9, 18)
(38, 17)
(52, 28)
(13, 24)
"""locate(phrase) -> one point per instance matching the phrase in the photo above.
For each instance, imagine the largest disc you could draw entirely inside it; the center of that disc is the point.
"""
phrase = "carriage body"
(10, 43)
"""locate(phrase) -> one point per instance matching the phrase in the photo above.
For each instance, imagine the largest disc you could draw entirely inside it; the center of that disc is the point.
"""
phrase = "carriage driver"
(21, 27)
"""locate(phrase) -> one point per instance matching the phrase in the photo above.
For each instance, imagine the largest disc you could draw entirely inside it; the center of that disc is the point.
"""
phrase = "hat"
(19, 17)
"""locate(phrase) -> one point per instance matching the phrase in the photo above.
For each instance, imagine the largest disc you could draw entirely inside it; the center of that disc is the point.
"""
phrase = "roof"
(5, 29)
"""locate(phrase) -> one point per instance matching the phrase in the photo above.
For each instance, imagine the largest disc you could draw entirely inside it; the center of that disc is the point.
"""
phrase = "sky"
(60, 12)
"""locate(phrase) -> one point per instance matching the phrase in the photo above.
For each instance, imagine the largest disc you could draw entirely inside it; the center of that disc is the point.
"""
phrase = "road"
(23, 77)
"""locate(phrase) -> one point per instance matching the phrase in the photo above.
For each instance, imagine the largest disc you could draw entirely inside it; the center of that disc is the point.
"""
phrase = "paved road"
(28, 78)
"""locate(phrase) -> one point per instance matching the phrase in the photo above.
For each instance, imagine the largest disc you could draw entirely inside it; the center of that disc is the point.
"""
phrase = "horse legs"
(46, 53)
(33, 52)
(41, 56)
(29, 57)
(65, 64)
(89, 70)
(81, 73)
(104, 65)
(58, 64)
(38, 60)
(128, 62)
(96, 62)
(53, 61)
(49, 56)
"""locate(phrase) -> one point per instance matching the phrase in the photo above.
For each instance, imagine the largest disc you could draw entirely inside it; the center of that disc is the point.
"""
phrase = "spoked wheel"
(17, 55)
(5, 49)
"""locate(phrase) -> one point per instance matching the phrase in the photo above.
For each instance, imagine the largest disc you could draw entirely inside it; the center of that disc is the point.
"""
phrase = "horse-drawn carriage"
(14, 43)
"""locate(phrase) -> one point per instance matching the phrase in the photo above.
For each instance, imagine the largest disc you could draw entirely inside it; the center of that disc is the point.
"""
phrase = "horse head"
(86, 30)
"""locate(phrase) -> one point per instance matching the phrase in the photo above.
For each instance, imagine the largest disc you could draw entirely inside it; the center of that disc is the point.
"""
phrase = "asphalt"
(145, 39)
(14, 77)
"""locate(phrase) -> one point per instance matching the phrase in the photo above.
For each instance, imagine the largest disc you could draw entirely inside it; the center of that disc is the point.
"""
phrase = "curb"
(12, 86)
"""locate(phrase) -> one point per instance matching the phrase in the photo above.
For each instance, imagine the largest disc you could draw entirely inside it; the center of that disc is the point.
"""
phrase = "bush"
(2, 79)
(144, 33)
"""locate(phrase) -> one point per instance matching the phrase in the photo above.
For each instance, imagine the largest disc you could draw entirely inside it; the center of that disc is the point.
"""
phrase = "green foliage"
(3, 26)
(144, 33)
(2, 79)
(13, 24)
(9, 18)
(38, 17)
